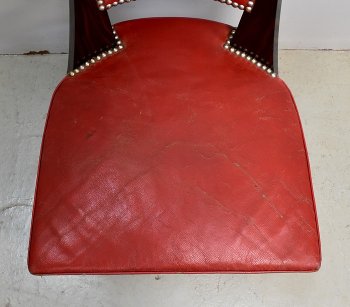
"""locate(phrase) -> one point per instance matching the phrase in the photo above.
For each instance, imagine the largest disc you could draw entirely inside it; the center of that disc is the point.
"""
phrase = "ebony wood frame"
(91, 32)
(257, 32)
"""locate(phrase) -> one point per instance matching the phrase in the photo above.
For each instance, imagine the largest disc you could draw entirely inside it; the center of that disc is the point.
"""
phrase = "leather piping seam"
(248, 7)
(249, 56)
(101, 56)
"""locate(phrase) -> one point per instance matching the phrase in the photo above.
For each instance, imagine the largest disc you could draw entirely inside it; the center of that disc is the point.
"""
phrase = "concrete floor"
(320, 81)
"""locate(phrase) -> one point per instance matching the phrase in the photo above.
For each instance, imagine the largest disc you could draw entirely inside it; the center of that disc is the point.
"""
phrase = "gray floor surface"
(320, 81)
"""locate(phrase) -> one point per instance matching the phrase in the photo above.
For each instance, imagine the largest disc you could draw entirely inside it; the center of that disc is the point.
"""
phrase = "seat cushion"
(173, 155)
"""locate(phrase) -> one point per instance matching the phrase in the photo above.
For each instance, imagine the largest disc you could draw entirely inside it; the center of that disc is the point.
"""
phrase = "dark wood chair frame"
(91, 33)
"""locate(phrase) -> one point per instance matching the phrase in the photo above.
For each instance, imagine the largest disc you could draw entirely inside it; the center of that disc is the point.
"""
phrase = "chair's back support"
(91, 31)
(246, 5)
(257, 32)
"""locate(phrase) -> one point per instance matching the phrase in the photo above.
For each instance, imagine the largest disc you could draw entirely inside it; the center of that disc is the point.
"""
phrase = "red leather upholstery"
(173, 155)
(241, 4)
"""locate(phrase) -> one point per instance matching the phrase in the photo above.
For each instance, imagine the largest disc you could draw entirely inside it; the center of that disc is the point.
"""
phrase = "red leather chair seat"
(173, 155)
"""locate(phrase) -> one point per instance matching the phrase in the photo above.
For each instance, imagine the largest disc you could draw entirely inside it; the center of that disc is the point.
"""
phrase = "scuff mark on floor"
(41, 52)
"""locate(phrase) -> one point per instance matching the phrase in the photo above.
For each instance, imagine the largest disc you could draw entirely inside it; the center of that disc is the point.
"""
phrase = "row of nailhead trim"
(247, 8)
(102, 6)
(99, 57)
(248, 57)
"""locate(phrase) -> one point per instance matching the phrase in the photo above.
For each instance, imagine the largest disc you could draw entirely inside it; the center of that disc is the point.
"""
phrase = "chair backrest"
(92, 34)
(246, 5)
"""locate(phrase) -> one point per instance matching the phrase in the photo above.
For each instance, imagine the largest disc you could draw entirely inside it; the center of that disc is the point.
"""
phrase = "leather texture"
(110, 3)
(173, 155)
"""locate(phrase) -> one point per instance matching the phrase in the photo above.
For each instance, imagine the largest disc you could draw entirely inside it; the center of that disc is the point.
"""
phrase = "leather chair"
(173, 146)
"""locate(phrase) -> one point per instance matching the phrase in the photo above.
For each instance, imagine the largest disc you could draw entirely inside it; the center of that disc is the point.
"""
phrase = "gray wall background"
(43, 24)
